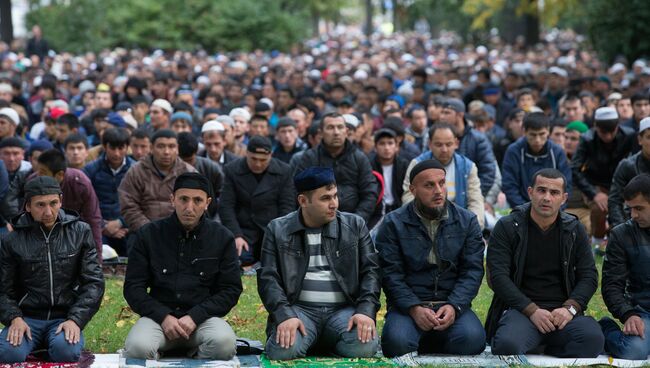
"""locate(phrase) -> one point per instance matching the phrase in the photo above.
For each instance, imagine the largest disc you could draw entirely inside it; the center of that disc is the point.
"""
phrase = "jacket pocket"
(205, 268)
(22, 300)
(287, 249)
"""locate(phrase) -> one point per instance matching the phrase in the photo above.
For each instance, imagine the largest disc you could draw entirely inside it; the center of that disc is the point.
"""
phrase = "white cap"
(351, 120)
(558, 71)
(454, 84)
(314, 74)
(616, 68)
(614, 96)
(163, 104)
(130, 120)
(606, 113)
(203, 80)
(267, 101)
(240, 111)
(644, 124)
(361, 74)
(6, 88)
(212, 126)
(11, 114)
(225, 119)
(639, 63)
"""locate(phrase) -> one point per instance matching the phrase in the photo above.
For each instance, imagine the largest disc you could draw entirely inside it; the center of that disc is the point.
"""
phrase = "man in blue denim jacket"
(431, 254)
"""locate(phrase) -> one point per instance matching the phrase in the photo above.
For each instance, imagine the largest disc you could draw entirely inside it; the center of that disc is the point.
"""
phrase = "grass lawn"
(108, 329)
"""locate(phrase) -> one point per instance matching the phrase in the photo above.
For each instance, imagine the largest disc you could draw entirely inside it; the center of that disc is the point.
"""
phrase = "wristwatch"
(572, 310)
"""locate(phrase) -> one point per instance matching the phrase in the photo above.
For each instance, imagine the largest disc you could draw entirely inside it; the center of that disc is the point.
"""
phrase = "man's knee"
(468, 340)
(274, 351)
(218, 342)
(507, 344)
(395, 342)
(140, 348)
(350, 346)
(590, 338)
(64, 352)
(12, 354)
(629, 347)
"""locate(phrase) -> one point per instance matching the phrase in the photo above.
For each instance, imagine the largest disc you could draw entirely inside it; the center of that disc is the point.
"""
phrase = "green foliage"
(619, 28)
(92, 25)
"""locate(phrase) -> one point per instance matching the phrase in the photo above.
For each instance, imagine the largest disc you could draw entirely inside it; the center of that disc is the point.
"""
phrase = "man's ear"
(59, 176)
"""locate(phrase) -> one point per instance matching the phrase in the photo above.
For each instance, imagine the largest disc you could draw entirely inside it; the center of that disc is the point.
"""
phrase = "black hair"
(70, 120)
(259, 117)
(188, 145)
(116, 137)
(141, 133)
(639, 96)
(536, 121)
(414, 108)
(439, 126)
(549, 174)
(640, 184)
(330, 115)
(163, 133)
(76, 138)
(54, 160)
(558, 122)
(99, 114)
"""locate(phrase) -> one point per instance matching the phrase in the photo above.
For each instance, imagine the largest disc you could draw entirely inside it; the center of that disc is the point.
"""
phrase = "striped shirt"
(319, 286)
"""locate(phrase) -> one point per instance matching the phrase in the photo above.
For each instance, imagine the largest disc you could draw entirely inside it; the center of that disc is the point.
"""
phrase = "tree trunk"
(315, 20)
(532, 29)
(368, 26)
(6, 24)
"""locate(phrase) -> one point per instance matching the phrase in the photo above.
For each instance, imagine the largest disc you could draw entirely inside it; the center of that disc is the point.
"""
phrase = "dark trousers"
(516, 334)
(401, 335)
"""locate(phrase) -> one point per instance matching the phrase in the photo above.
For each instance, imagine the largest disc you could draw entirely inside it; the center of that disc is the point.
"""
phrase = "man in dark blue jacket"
(431, 254)
(529, 154)
(106, 174)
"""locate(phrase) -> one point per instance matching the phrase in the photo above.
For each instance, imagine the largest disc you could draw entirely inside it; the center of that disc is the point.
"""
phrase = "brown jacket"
(144, 194)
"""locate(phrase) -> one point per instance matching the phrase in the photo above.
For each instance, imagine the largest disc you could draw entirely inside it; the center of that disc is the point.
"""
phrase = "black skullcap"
(12, 142)
(384, 132)
(261, 107)
(395, 124)
(313, 178)
(425, 165)
(259, 144)
(193, 180)
(41, 185)
(285, 122)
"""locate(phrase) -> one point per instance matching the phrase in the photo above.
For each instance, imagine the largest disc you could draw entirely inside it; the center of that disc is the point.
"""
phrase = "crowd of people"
(343, 167)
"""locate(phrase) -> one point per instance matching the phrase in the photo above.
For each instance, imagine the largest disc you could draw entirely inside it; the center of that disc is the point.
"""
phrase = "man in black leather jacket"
(626, 277)
(182, 279)
(319, 278)
(51, 283)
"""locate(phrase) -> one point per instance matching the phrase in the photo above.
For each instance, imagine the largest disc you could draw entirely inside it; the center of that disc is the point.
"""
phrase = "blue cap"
(397, 98)
(39, 145)
(313, 178)
(116, 120)
(181, 115)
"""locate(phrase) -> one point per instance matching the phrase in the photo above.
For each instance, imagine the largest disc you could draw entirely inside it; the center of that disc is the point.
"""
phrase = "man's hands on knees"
(561, 316)
(286, 332)
(17, 329)
(425, 318)
(543, 320)
(71, 330)
(188, 324)
(634, 326)
(173, 329)
(366, 330)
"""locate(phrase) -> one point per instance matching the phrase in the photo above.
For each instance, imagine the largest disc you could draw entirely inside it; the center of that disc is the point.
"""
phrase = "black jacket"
(357, 186)
(593, 164)
(246, 206)
(625, 171)
(285, 257)
(506, 258)
(50, 275)
(193, 273)
(213, 172)
(626, 275)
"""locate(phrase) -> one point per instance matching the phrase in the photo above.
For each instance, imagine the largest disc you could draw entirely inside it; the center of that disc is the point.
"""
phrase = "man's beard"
(429, 213)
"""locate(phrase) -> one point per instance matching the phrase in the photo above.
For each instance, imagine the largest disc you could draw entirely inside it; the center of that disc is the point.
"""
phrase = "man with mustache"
(431, 255)
(541, 269)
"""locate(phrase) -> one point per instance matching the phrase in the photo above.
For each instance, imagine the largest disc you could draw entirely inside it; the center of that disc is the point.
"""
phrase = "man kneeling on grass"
(183, 277)
(319, 278)
(51, 283)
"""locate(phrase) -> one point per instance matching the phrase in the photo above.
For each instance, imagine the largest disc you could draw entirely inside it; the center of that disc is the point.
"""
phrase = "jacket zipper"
(203, 259)
(49, 261)
(23, 299)
(566, 265)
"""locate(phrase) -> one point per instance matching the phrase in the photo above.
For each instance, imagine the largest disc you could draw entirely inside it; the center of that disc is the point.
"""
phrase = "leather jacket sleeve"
(8, 272)
(227, 204)
(615, 210)
(137, 281)
(287, 197)
(577, 162)
(586, 274)
(615, 276)
(470, 269)
(269, 283)
(226, 289)
(367, 302)
(91, 283)
(367, 187)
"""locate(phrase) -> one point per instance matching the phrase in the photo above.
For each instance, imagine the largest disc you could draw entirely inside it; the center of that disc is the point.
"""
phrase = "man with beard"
(431, 254)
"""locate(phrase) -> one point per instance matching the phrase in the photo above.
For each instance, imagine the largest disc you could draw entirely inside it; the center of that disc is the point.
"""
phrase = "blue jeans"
(326, 329)
(401, 335)
(623, 346)
(43, 335)
(516, 334)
